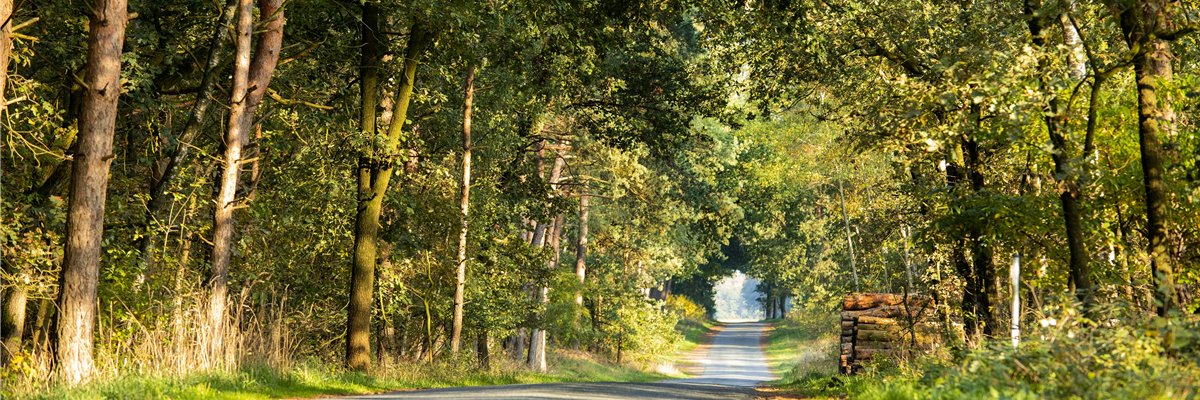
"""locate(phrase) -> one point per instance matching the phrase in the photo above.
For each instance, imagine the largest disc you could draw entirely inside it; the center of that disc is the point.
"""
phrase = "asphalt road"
(735, 364)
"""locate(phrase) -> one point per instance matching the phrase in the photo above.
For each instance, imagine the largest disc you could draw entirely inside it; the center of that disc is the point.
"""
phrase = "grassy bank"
(315, 379)
(693, 331)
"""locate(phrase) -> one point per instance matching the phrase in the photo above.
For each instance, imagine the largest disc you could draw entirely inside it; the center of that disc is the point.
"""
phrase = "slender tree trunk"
(849, 239)
(537, 344)
(159, 198)
(177, 311)
(250, 80)
(6, 13)
(461, 281)
(89, 183)
(374, 174)
(1078, 266)
(581, 247)
(981, 253)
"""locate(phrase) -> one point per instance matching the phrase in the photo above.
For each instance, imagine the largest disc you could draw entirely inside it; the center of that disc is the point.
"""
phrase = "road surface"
(735, 364)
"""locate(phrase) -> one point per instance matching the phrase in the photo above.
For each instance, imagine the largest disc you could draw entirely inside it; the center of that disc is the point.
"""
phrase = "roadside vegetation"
(315, 379)
(1064, 356)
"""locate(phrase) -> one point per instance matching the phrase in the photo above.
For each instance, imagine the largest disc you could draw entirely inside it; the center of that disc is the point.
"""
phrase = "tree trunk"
(1149, 114)
(981, 253)
(13, 322)
(374, 174)
(362, 281)
(461, 281)
(849, 239)
(484, 352)
(537, 343)
(89, 183)
(581, 248)
(251, 78)
(204, 98)
(6, 13)
(1078, 266)
(1151, 62)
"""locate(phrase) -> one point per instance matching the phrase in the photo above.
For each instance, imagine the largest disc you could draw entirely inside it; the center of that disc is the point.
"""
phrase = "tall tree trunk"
(89, 183)
(362, 281)
(461, 281)
(159, 198)
(1055, 117)
(981, 254)
(374, 174)
(1140, 22)
(1149, 115)
(537, 343)
(251, 78)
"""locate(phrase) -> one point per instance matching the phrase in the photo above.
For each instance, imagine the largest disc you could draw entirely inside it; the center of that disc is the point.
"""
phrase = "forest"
(365, 187)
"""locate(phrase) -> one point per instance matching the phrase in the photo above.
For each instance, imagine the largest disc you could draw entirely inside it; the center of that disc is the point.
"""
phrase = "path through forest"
(734, 366)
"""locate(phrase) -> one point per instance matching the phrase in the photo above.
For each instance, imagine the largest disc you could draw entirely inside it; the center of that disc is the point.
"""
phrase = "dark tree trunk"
(1055, 117)
(89, 183)
(981, 254)
(362, 281)
(482, 350)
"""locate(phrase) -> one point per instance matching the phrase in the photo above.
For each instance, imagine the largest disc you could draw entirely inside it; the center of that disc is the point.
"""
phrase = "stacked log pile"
(886, 325)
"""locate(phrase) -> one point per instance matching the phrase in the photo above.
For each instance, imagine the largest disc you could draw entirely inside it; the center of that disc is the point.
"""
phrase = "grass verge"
(315, 379)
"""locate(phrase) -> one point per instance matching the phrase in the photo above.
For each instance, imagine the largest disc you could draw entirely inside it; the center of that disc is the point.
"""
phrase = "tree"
(89, 183)
(374, 172)
(251, 79)
(1147, 30)
(461, 274)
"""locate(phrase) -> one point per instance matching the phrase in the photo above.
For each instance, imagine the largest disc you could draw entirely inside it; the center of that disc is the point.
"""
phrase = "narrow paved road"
(735, 364)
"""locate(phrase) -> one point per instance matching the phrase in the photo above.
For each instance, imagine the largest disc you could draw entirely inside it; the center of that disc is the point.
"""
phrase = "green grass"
(803, 351)
(314, 379)
(801, 344)
(693, 331)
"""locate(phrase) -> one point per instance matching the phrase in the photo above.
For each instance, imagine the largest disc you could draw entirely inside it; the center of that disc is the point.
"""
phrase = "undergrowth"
(1063, 355)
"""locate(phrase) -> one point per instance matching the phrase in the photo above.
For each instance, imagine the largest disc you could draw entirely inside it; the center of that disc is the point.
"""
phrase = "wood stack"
(884, 325)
